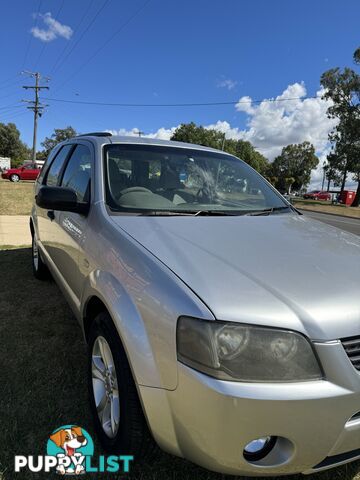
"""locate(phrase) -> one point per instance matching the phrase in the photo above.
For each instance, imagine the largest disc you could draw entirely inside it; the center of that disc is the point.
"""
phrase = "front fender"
(146, 323)
(128, 322)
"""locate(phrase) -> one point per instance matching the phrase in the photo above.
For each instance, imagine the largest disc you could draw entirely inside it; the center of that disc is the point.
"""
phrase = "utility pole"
(139, 132)
(223, 141)
(36, 106)
(323, 179)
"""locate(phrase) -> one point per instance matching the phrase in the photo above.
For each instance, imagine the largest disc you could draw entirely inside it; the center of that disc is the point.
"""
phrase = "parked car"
(28, 171)
(204, 332)
(318, 195)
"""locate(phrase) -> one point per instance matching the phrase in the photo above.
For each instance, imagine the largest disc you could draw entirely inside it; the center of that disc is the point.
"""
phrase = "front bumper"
(209, 421)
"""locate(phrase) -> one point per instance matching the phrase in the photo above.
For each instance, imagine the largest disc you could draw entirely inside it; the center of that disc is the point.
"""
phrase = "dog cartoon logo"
(70, 444)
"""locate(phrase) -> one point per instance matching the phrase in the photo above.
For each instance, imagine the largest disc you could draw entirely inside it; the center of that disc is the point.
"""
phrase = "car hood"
(282, 270)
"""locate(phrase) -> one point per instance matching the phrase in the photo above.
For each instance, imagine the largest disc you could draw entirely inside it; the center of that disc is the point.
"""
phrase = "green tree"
(343, 88)
(357, 56)
(59, 135)
(292, 168)
(191, 133)
(332, 170)
(11, 144)
(245, 151)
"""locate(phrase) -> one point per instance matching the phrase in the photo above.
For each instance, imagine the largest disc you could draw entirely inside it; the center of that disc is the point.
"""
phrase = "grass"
(326, 207)
(16, 198)
(12, 247)
(43, 378)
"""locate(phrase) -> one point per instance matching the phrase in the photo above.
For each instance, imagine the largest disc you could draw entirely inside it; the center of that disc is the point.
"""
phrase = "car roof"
(101, 138)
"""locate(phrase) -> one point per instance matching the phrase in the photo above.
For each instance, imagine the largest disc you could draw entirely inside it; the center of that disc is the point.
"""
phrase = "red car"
(318, 195)
(29, 171)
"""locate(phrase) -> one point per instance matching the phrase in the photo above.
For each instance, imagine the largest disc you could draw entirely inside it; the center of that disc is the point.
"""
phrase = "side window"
(77, 173)
(56, 166)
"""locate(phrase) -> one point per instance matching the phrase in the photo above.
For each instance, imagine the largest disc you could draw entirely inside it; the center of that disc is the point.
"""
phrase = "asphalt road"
(351, 225)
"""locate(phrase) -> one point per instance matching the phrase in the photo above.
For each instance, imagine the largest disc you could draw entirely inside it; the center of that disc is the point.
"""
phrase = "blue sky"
(188, 51)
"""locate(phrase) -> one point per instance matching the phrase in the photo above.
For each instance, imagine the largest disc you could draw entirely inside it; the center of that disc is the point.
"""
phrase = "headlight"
(232, 351)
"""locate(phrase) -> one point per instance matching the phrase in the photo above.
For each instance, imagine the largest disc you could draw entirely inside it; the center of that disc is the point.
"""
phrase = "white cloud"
(271, 125)
(227, 83)
(225, 127)
(161, 134)
(54, 29)
(274, 124)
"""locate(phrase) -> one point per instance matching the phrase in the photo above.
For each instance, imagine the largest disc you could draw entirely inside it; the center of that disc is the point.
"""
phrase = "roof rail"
(95, 134)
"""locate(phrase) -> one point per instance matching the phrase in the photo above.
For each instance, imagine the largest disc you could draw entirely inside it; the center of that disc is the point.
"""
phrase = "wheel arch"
(93, 307)
(104, 293)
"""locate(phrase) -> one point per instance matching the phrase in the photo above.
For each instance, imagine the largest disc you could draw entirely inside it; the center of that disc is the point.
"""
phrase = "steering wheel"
(206, 193)
(201, 193)
(135, 189)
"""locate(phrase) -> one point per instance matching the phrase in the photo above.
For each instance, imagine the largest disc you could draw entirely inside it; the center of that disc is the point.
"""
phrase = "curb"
(327, 213)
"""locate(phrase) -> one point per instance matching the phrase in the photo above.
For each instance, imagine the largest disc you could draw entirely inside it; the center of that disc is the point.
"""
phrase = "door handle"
(51, 214)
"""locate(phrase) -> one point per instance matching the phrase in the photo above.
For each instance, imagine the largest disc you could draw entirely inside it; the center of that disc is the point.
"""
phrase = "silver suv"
(220, 322)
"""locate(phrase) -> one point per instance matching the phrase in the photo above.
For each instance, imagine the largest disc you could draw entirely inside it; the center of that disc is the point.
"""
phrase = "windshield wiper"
(214, 213)
(266, 211)
(205, 213)
(165, 213)
(192, 213)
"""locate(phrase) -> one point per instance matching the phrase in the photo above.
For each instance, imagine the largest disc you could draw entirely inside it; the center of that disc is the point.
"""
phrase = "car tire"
(14, 178)
(113, 377)
(40, 270)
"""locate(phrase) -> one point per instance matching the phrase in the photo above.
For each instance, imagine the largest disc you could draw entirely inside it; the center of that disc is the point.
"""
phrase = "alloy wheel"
(105, 387)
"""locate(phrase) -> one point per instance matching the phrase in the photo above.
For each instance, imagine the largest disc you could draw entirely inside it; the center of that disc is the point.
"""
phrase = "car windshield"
(161, 179)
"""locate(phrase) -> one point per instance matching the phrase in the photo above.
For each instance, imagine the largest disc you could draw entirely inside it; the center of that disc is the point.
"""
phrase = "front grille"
(352, 348)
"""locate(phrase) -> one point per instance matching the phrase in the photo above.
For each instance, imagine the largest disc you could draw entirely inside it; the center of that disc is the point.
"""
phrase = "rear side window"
(77, 173)
(56, 166)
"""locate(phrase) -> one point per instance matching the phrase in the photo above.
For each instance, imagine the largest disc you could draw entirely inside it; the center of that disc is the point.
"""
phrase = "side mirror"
(60, 198)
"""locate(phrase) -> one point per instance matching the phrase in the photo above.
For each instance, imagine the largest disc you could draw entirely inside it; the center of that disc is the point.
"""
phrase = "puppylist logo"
(70, 451)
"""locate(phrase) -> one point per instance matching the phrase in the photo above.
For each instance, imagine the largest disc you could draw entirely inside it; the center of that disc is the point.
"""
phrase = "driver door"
(72, 227)
(27, 172)
(47, 220)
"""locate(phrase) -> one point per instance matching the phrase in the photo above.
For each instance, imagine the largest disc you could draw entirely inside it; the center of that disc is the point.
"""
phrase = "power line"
(10, 95)
(30, 38)
(10, 79)
(82, 35)
(35, 105)
(45, 43)
(11, 84)
(5, 107)
(12, 111)
(135, 14)
(192, 104)
(12, 117)
(69, 43)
